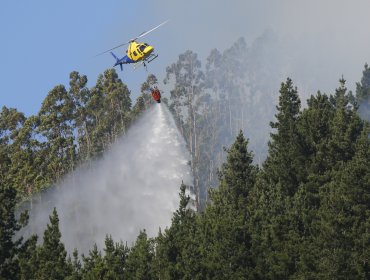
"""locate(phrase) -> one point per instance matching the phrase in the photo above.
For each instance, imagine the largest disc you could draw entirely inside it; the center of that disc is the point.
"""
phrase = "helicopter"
(137, 53)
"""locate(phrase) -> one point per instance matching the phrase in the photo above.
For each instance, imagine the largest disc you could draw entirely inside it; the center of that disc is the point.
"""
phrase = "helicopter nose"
(148, 50)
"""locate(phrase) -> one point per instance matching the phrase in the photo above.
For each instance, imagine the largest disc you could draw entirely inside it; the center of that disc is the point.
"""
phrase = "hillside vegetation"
(301, 213)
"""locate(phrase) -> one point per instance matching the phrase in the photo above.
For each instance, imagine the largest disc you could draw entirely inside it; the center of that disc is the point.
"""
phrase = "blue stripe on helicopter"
(126, 59)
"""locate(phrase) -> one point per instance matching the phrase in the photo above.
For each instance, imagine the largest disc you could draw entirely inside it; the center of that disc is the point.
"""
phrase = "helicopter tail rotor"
(114, 56)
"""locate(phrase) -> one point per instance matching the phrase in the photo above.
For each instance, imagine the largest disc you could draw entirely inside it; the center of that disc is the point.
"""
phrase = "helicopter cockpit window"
(142, 48)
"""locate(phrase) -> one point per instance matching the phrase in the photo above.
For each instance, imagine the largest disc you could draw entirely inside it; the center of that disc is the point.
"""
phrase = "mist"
(315, 43)
(319, 40)
(135, 186)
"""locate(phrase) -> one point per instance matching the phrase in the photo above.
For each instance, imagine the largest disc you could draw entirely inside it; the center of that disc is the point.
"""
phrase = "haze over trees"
(300, 211)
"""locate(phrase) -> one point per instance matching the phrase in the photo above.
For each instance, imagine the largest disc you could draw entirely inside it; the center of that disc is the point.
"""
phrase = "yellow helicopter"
(137, 53)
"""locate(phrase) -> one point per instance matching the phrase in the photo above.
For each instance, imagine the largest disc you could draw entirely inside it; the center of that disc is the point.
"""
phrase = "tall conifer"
(227, 239)
(52, 254)
(9, 226)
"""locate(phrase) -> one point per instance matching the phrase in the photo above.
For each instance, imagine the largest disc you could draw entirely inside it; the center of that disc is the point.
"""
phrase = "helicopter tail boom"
(117, 61)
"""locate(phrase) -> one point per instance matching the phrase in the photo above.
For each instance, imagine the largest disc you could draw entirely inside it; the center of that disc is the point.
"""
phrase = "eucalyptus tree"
(80, 95)
(11, 121)
(144, 100)
(27, 173)
(56, 131)
(187, 80)
(108, 110)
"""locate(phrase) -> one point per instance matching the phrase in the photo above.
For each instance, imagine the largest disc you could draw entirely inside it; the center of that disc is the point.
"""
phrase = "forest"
(300, 210)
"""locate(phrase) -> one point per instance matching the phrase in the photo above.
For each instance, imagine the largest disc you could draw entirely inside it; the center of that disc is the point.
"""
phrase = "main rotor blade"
(141, 35)
(147, 32)
(114, 48)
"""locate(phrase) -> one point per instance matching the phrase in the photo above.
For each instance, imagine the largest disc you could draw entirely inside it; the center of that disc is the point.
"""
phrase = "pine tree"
(345, 127)
(28, 259)
(363, 93)
(227, 236)
(52, 255)
(344, 218)
(283, 163)
(331, 129)
(76, 273)
(140, 259)
(283, 171)
(9, 226)
(176, 255)
(314, 129)
(115, 259)
(93, 267)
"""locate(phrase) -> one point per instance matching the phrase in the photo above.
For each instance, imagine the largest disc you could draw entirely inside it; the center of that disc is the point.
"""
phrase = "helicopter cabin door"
(135, 52)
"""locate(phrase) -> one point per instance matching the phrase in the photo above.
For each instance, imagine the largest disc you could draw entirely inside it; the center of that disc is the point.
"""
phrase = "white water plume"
(135, 186)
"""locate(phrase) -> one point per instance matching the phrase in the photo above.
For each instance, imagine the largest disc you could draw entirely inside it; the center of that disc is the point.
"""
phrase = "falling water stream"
(134, 186)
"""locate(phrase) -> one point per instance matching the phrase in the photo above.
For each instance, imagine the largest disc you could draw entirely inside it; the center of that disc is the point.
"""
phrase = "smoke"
(314, 43)
(135, 186)
(319, 40)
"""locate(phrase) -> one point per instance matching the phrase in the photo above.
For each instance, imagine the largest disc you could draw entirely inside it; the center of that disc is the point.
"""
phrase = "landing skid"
(149, 59)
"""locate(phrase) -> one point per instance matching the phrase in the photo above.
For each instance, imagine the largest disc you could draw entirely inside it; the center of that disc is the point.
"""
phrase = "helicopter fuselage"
(139, 51)
(136, 52)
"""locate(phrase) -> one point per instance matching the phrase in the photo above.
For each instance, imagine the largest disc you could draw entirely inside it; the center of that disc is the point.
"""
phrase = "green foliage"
(73, 127)
(344, 215)
(187, 99)
(52, 256)
(304, 215)
(177, 256)
(76, 267)
(55, 127)
(10, 123)
(283, 163)
(227, 240)
(9, 226)
(363, 93)
(140, 259)
(93, 265)
(107, 112)
(111, 266)
(144, 101)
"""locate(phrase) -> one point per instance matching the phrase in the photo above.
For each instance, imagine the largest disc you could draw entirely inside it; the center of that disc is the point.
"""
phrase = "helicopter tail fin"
(114, 56)
(117, 61)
